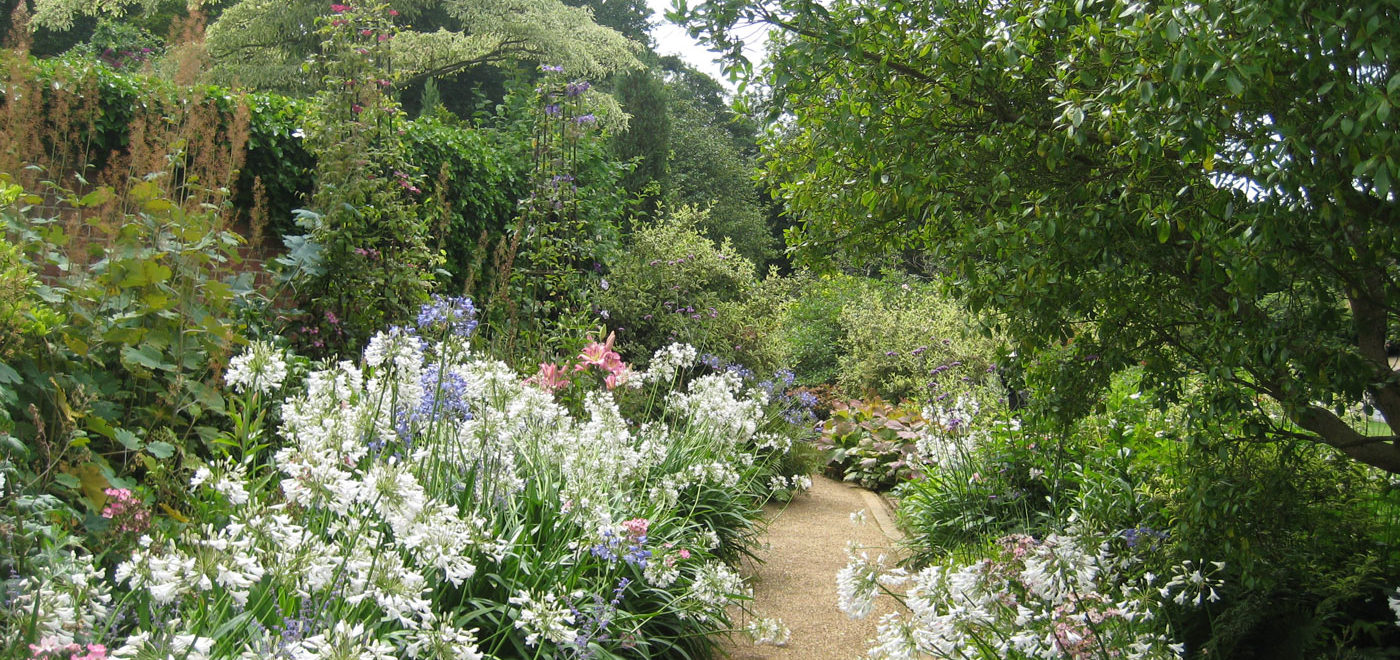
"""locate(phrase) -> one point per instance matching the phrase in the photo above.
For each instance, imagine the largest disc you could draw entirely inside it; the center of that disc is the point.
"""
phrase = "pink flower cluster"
(669, 560)
(636, 527)
(552, 377)
(604, 357)
(48, 648)
(341, 9)
(129, 513)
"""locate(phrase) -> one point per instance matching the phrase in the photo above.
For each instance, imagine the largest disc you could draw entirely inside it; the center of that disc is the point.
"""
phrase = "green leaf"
(161, 449)
(147, 356)
(127, 439)
(8, 376)
(146, 273)
(68, 480)
(1233, 82)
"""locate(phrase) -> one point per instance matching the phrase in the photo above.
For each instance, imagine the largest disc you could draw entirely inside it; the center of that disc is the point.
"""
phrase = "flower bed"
(429, 502)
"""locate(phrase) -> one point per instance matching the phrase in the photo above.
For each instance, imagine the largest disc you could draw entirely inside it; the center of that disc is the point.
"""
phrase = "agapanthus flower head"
(456, 316)
(576, 88)
(260, 368)
(551, 68)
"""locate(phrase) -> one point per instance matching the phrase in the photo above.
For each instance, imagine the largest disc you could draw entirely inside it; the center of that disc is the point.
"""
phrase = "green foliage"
(263, 44)
(671, 284)
(1160, 184)
(122, 45)
(475, 180)
(630, 17)
(1304, 536)
(278, 162)
(706, 170)
(642, 94)
(127, 382)
(1300, 531)
(870, 443)
(89, 109)
(548, 262)
(373, 266)
(897, 337)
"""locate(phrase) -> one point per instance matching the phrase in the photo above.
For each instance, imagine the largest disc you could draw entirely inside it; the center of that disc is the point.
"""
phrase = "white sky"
(671, 39)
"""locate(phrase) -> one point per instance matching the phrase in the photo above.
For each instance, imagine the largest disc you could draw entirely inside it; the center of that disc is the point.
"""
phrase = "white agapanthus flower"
(768, 631)
(858, 582)
(666, 362)
(895, 640)
(1193, 583)
(260, 368)
(344, 641)
(714, 586)
(543, 617)
(68, 600)
(145, 644)
(713, 404)
(443, 641)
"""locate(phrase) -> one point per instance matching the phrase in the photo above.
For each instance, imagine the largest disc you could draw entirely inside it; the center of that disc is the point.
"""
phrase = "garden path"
(805, 547)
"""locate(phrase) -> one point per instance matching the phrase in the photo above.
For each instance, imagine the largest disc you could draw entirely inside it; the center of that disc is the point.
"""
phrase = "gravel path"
(806, 546)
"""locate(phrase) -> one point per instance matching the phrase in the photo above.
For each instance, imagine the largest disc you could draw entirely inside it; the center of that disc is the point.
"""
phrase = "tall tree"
(1203, 186)
(630, 17)
(647, 139)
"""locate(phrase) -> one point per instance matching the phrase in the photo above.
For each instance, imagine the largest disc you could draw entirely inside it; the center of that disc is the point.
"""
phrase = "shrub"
(125, 385)
(870, 443)
(87, 117)
(1301, 536)
(898, 339)
(907, 340)
(475, 181)
(671, 284)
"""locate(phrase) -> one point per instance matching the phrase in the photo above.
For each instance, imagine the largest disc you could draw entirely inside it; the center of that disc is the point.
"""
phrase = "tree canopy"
(264, 43)
(1201, 187)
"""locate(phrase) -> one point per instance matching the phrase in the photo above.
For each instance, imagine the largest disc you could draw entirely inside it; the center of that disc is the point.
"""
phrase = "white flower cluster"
(67, 599)
(715, 586)
(350, 528)
(1394, 602)
(858, 583)
(543, 617)
(260, 368)
(951, 436)
(1043, 599)
(381, 502)
(1192, 582)
(713, 404)
(666, 362)
(145, 644)
(772, 632)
